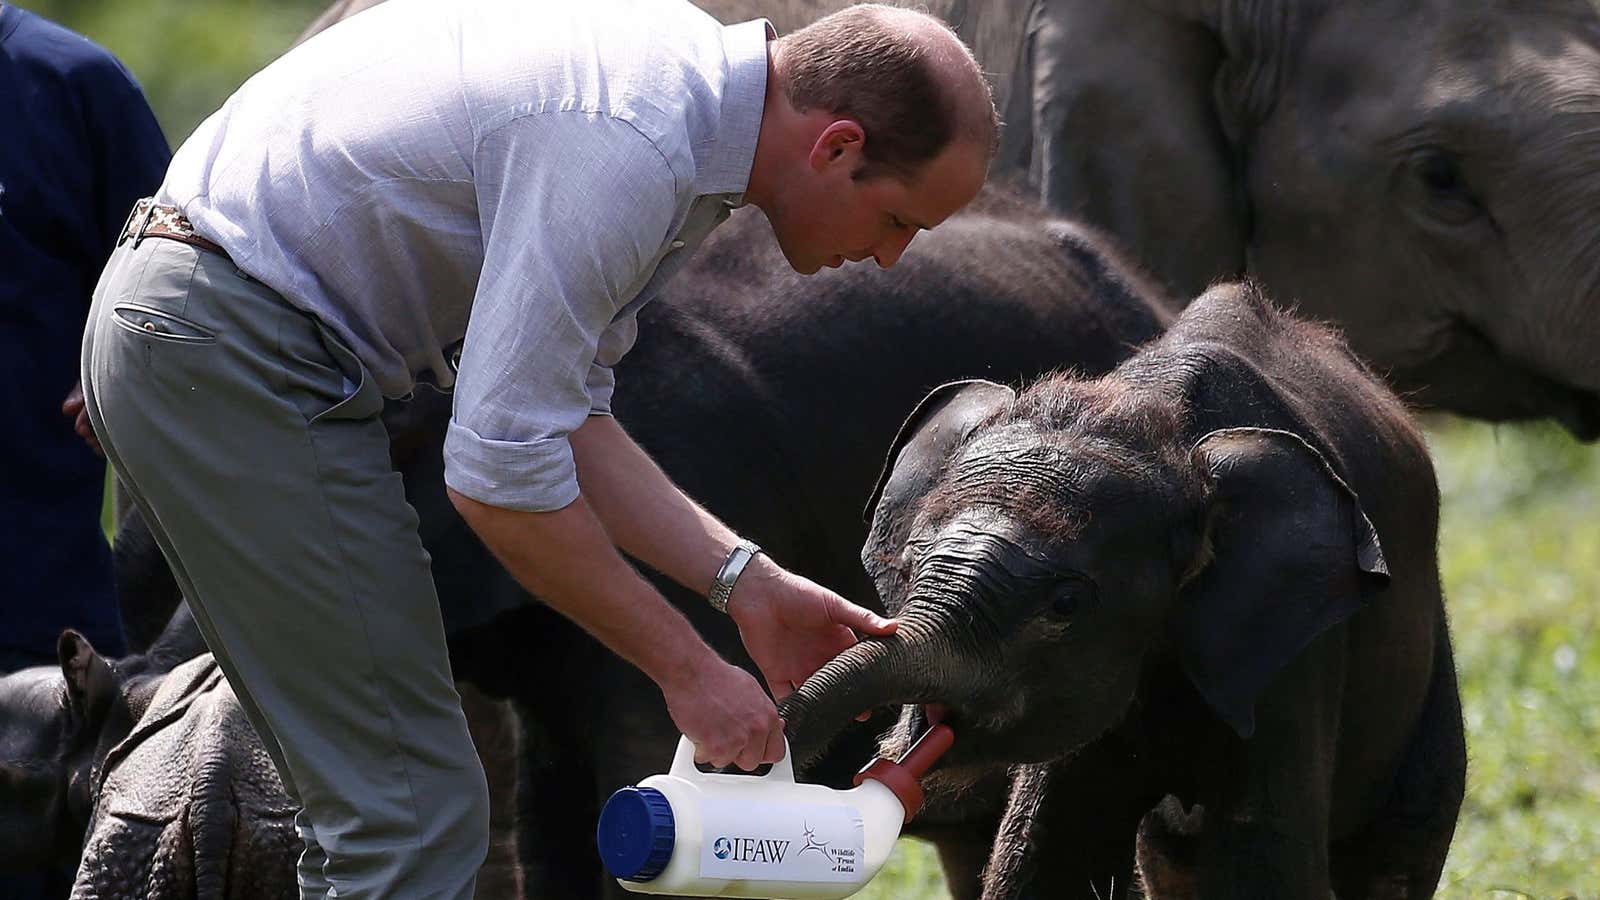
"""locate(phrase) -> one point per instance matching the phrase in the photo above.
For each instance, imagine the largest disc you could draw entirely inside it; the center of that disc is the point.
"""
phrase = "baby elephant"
(1210, 575)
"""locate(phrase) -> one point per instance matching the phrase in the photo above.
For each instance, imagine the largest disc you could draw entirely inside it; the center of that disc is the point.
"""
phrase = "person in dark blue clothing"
(78, 146)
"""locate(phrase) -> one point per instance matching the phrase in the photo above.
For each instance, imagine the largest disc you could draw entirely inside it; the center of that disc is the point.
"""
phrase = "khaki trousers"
(249, 437)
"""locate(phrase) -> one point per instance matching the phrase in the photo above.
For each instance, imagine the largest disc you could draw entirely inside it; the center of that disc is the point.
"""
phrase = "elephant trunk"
(873, 673)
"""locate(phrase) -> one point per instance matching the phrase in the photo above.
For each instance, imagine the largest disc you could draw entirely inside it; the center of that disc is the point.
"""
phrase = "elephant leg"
(1088, 824)
(1082, 837)
(1268, 800)
(555, 812)
(1014, 857)
(1401, 853)
(963, 859)
(493, 726)
(1091, 857)
(632, 738)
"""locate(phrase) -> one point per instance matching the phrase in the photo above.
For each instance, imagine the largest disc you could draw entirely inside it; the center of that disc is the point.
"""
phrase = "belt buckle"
(148, 215)
(127, 224)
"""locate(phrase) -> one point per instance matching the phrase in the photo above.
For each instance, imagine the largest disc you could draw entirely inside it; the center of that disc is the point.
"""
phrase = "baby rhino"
(1209, 575)
(144, 771)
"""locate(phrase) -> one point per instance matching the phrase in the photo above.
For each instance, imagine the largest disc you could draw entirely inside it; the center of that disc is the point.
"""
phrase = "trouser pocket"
(362, 398)
(321, 374)
(155, 324)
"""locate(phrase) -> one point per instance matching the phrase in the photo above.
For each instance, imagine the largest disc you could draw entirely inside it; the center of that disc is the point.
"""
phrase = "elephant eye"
(1072, 596)
(1440, 173)
(1449, 197)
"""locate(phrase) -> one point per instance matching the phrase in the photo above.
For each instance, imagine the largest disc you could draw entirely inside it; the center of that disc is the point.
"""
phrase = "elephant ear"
(90, 684)
(1292, 555)
(941, 421)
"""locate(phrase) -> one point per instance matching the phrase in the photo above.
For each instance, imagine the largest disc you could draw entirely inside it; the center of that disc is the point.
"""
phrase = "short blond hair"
(864, 63)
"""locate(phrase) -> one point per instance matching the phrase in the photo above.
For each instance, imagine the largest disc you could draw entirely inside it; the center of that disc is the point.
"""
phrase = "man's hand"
(73, 408)
(566, 558)
(725, 714)
(792, 626)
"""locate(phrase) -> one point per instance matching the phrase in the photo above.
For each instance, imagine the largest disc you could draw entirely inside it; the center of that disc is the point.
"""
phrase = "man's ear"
(842, 142)
(90, 685)
(942, 420)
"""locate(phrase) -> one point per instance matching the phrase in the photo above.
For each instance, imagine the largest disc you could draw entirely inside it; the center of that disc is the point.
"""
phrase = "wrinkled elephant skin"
(1421, 174)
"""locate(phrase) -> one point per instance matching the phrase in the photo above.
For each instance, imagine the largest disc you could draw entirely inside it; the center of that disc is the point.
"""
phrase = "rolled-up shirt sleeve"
(573, 207)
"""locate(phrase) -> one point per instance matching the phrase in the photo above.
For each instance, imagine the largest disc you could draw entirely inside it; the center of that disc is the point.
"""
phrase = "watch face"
(722, 586)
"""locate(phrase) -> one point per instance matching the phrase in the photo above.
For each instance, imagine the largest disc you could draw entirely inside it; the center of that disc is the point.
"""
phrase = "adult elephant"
(1422, 172)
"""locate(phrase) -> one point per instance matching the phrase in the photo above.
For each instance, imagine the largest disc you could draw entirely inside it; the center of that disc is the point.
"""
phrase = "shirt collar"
(726, 168)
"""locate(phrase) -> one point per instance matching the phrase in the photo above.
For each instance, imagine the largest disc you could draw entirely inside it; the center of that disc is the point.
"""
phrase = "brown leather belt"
(150, 219)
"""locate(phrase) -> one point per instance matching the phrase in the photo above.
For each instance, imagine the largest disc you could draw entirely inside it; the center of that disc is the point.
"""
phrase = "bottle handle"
(683, 765)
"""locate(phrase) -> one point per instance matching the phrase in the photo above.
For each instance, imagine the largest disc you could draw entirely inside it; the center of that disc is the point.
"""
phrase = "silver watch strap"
(722, 587)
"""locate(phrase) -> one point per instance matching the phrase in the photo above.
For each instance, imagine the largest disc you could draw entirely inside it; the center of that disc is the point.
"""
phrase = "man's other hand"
(725, 714)
(791, 625)
(74, 409)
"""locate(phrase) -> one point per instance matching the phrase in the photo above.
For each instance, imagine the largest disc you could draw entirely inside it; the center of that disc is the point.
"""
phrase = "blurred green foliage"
(188, 56)
(1520, 552)
(1519, 548)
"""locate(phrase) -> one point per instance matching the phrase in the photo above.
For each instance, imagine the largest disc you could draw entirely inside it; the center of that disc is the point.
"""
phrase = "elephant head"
(1424, 174)
(1038, 548)
(56, 724)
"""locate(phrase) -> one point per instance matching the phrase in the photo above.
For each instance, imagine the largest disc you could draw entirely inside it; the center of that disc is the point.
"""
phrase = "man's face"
(830, 217)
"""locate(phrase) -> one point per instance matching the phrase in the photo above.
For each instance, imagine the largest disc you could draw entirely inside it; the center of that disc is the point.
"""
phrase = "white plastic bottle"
(719, 835)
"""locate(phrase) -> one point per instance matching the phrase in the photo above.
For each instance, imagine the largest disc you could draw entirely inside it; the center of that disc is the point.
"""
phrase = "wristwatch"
(722, 587)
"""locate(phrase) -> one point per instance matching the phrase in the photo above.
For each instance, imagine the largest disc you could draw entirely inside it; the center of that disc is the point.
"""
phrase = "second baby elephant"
(1210, 574)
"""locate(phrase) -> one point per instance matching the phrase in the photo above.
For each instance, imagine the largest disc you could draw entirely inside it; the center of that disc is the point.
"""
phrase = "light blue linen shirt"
(507, 180)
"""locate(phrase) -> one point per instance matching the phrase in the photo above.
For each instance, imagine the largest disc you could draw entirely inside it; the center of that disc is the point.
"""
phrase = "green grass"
(1520, 550)
(1520, 553)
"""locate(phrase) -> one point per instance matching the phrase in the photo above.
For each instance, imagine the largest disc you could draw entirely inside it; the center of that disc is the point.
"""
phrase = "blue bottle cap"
(636, 833)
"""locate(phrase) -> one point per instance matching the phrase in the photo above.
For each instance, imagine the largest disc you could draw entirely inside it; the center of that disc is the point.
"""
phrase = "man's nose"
(889, 251)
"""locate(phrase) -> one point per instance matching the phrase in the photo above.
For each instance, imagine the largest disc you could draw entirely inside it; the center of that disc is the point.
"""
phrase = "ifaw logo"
(750, 850)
